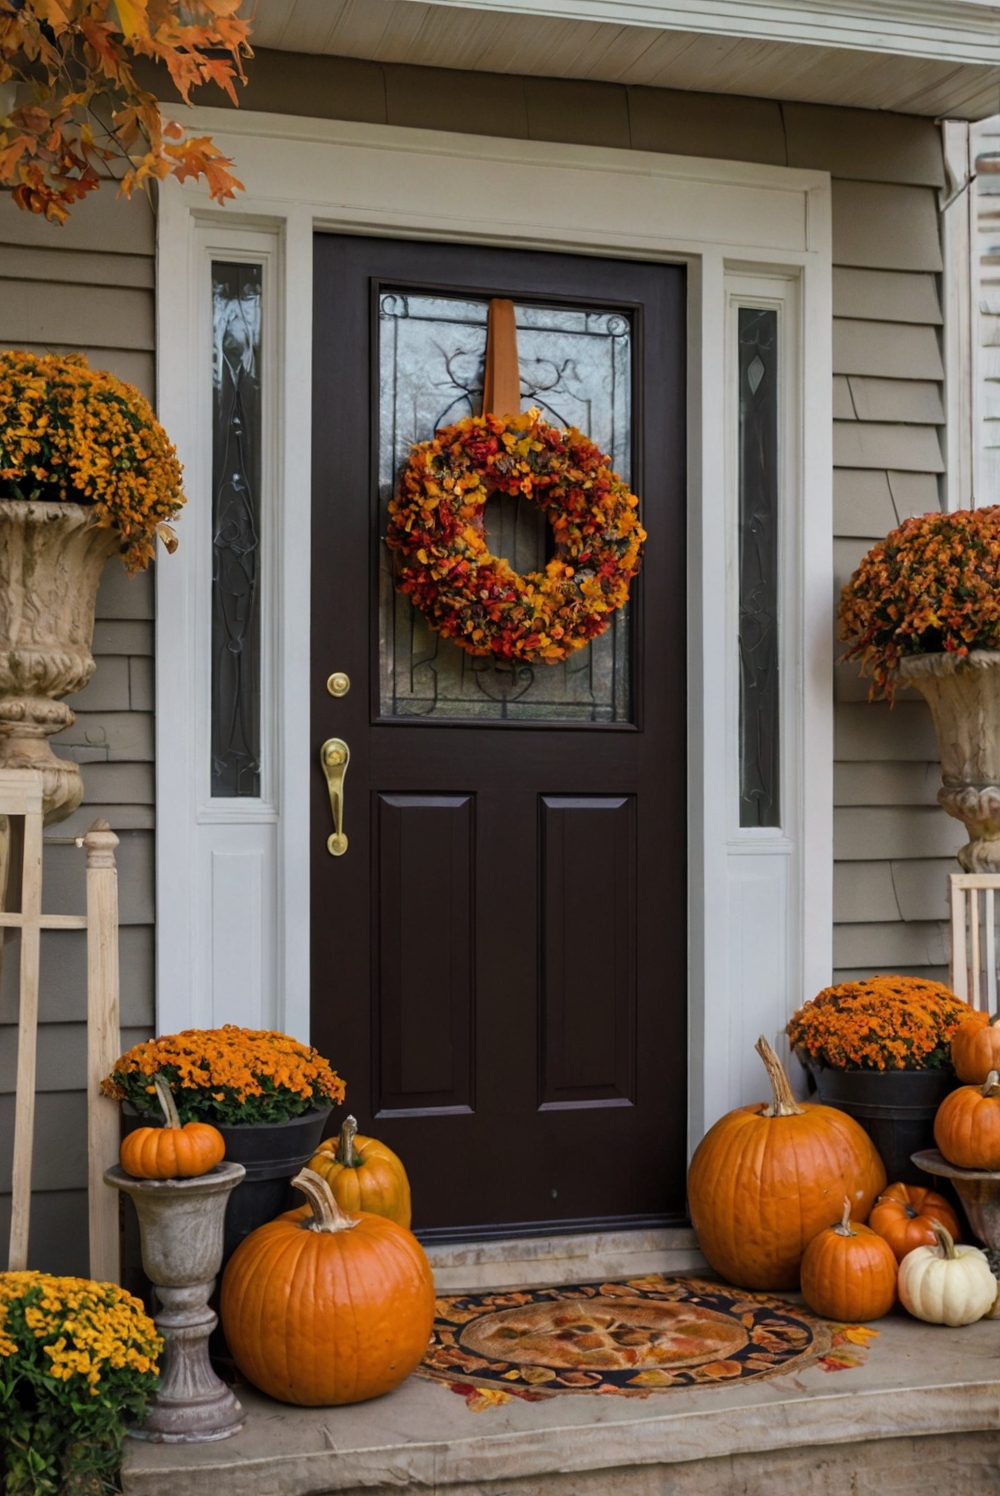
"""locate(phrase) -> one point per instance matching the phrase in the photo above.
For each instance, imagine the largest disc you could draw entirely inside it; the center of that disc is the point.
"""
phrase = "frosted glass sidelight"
(576, 366)
(236, 560)
(758, 530)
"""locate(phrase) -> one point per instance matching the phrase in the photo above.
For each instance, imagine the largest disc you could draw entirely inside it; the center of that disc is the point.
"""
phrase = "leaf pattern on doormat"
(633, 1338)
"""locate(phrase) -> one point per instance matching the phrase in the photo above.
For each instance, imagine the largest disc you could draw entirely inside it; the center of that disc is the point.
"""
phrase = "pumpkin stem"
(991, 1085)
(345, 1148)
(945, 1240)
(784, 1103)
(843, 1226)
(327, 1215)
(168, 1106)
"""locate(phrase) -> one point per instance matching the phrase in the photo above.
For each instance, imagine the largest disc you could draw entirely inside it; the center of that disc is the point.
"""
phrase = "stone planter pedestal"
(180, 1221)
(979, 1192)
(963, 694)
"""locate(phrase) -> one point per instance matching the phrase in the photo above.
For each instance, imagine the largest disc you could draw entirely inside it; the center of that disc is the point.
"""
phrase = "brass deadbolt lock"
(338, 684)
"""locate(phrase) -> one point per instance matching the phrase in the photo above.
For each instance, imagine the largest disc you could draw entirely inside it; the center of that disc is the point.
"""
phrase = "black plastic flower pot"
(896, 1108)
(272, 1154)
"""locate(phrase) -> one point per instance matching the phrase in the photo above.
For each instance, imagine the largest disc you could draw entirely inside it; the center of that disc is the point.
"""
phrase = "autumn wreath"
(476, 598)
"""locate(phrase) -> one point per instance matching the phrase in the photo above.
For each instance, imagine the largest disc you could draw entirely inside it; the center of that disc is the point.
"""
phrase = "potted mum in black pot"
(880, 1050)
(268, 1095)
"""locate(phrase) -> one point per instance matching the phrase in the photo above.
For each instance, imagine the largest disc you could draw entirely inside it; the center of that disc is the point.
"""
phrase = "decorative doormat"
(645, 1335)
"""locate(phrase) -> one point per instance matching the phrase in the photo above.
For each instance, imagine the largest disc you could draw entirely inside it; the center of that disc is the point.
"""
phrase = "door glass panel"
(758, 639)
(576, 366)
(236, 463)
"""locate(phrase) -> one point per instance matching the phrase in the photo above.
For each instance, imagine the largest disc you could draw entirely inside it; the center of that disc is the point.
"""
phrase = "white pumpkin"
(947, 1285)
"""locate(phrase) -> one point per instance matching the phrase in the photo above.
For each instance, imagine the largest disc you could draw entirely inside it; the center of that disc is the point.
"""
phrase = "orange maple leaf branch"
(70, 106)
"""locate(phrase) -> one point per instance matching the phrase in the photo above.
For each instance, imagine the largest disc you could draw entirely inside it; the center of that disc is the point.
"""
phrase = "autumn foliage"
(76, 106)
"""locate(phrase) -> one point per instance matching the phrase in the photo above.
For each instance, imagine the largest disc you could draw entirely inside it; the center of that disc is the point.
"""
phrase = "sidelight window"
(759, 711)
(236, 526)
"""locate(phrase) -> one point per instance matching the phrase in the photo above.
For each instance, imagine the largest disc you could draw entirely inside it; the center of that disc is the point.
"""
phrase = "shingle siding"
(88, 286)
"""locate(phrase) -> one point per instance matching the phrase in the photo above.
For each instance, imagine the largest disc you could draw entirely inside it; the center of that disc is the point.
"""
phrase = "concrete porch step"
(536, 1261)
(920, 1418)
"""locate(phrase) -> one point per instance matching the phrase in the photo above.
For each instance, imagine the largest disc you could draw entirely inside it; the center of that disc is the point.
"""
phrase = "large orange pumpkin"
(364, 1174)
(171, 1151)
(766, 1179)
(321, 1308)
(849, 1272)
(975, 1049)
(967, 1125)
(905, 1216)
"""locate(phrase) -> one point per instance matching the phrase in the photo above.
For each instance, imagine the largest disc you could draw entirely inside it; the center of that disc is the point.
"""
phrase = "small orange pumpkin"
(322, 1308)
(171, 1151)
(975, 1049)
(849, 1272)
(364, 1174)
(967, 1125)
(905, 1216)
(766, 1179)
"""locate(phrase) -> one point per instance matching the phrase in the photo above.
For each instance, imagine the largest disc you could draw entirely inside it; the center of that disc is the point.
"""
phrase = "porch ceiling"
(931, 57)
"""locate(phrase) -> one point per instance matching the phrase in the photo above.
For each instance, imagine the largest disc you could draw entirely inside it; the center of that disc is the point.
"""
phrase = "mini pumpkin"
(171, 1151)
(905, 1215)
(967, 1125)
(364, 1174)
(321, 1307)
(849, 1272)
(766, 1179)
(975, 1048)
(946, 1284)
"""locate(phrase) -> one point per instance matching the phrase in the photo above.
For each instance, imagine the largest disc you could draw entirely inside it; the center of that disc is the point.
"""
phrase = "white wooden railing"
(974, 938)
(21, 796)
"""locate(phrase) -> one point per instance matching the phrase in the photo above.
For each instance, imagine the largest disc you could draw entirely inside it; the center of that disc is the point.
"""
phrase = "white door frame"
(233, 876)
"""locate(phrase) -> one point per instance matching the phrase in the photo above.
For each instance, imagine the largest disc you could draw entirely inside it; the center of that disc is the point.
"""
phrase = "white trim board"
(766, 229)
(964, 30)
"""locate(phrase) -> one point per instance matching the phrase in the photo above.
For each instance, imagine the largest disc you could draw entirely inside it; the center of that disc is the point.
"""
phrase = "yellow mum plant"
(227, 1075)
(76, 434)
(78, 1359)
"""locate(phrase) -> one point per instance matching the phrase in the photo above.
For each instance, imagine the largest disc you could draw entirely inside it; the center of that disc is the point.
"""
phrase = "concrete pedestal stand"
(979, 1192)
(180, 1221)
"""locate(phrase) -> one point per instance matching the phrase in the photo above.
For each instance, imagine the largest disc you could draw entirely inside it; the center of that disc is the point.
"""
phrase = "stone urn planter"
(51, 558)
(963, 693)
(180, 1221)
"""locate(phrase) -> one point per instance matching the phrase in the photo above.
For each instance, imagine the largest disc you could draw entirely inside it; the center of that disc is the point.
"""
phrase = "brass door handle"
(335, 756)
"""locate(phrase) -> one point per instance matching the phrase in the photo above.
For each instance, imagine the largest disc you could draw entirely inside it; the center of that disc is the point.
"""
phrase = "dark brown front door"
(499, 958)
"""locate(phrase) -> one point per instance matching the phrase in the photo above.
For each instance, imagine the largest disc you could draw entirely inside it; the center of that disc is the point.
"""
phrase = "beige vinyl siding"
(893, 845)
(88, 287)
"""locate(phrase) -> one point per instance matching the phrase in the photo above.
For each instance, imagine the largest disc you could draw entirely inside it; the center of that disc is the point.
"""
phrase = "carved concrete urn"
(51, 558)
(963, 693)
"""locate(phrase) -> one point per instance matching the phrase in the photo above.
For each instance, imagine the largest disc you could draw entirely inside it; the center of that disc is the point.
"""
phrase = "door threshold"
(563, 1257)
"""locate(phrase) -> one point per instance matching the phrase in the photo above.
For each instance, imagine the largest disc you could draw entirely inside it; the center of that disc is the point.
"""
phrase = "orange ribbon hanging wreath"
(502, 379)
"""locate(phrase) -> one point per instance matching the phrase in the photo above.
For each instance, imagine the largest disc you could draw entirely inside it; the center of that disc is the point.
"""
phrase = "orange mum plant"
(884, 1023)
(74, 103)
(932, 585)
(227, 1075)
(72, 433)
